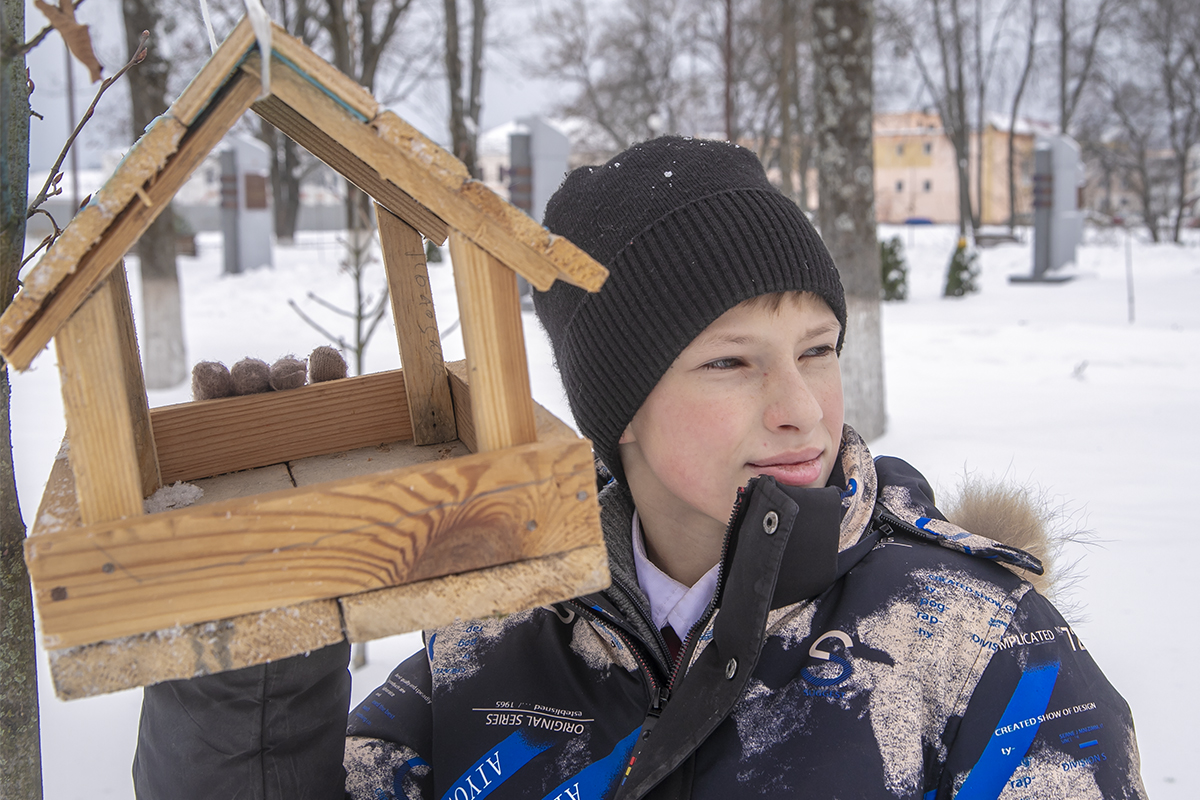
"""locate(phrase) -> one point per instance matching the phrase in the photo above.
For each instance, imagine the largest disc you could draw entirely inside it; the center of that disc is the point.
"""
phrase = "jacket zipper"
(660, 698)
(688, 643)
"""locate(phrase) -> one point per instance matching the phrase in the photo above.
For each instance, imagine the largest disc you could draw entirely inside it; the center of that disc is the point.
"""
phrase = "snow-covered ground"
(1046, 385)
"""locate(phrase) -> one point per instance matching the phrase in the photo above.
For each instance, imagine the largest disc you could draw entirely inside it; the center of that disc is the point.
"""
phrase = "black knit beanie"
(688, 228)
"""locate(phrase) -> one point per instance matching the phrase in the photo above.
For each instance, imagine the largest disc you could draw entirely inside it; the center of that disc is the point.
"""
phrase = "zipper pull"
(655, 711)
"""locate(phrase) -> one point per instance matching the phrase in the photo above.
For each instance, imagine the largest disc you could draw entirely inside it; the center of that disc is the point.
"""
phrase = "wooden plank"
(28, 339)
(210, 437)
(370, 460)
(505, 589)
(189, 651)
(104, 457)
(426, 388)
(323, 74)
(351, 167)
(334, 539)
(135, 382)
(59, 509)
(548, 426)
(200, 90)
(490, 310)
(245, 483)
(438, 181)
(140, 164)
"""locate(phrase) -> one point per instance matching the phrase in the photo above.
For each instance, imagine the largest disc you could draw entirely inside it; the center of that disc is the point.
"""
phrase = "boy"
(787, 617)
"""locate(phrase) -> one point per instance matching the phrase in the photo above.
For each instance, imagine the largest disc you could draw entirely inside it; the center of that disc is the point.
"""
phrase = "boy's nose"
(789, 401)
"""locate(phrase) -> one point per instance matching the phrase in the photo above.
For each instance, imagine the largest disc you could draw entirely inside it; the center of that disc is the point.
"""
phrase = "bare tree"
(845, 162)
(1031, 40)
(1081, 29)
(287, 161)
(942, 67)
(985, 59)
(1137, 110)
(164, 352)
(1168, 29)
(629, 67)
(465, 111)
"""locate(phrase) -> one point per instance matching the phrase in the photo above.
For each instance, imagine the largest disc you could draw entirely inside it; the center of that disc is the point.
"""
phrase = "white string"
(212, 36)
(260, 21)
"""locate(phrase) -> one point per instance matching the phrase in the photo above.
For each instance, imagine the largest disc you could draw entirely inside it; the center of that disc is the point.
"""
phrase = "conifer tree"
(964, 269)
(893, 271)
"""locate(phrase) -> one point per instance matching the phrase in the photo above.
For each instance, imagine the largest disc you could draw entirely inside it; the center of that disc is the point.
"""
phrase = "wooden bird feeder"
(355, 509)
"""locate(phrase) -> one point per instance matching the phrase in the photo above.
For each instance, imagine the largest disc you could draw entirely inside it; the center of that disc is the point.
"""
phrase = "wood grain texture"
(104, 456)
(189, 651)
(59, 508)
(425, 384)
(28, 339)
(210, 437)
(369, 460)
(199, 92)
(324, 74)
(353, 168)
(330, 540)
(438, 181)
(549, 427)
(505, 589)
(135, 382)
(63, 259)
(490, 310)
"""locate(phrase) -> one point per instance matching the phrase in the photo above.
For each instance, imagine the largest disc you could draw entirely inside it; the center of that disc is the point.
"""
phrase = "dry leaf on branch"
(77, 37)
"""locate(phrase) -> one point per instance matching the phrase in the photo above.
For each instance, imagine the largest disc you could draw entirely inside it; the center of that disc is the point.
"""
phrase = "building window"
(927, 186)
(928, 148)
(899, 149)
(899, 186)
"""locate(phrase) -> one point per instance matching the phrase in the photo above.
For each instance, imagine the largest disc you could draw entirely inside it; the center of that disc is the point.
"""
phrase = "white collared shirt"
(671, 603)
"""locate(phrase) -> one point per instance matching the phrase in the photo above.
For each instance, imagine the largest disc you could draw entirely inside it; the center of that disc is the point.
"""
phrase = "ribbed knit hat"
(688, 228)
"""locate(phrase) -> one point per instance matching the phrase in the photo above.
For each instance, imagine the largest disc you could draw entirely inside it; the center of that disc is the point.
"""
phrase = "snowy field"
(1049, 386)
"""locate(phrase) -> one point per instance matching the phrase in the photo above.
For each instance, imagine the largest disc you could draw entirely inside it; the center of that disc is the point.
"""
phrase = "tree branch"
(37, 39)
(55, 175)
(317, 326)
(323, 302)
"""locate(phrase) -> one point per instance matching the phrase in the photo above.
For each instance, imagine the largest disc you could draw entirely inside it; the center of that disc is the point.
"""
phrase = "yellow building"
(915, 175)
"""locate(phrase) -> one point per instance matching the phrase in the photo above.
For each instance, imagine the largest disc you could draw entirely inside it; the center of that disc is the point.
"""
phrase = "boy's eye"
(820, 350)
(724, 363)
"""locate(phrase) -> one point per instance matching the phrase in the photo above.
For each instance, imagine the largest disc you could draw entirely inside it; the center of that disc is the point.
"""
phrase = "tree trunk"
(727, 63)
(458, 126)
(962, 147)
(162, 321)
(846, 184)
(1030, 50)
(285, 181)
(1064, 43)
(787, 58)
(20, 753)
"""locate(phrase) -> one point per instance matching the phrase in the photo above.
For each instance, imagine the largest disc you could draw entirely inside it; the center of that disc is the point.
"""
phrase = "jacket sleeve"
(1043, 721)
(268, 732)
(389, 737)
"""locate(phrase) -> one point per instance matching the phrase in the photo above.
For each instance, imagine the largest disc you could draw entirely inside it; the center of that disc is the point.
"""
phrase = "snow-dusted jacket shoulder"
(858, 645)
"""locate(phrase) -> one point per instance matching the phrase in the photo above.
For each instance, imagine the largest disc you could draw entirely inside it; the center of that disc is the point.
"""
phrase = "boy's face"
(758, 392)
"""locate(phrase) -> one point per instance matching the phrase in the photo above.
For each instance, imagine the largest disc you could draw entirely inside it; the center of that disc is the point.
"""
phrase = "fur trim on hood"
(1025, 518)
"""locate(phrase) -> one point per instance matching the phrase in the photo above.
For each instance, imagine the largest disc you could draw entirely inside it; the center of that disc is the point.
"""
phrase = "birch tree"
(843, 57)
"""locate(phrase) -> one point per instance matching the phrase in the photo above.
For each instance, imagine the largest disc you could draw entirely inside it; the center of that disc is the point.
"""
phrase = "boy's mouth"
(791, 469)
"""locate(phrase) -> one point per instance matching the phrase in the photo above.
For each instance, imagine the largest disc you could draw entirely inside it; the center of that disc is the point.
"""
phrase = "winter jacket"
(858, 645)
